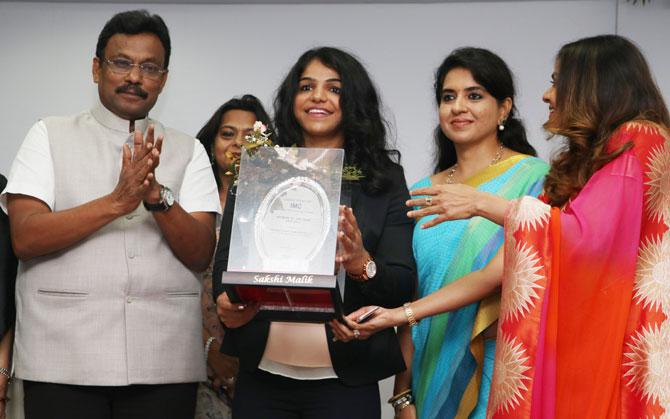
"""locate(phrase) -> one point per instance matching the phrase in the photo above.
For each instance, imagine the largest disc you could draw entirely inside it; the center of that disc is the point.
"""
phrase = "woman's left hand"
(448, 202)
(351, 253)
(348, 329)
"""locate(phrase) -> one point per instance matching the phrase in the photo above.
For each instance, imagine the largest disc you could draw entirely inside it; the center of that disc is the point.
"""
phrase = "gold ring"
(429, 201)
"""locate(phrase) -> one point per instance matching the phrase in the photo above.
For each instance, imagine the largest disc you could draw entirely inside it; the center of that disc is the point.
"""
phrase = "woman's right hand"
(455, 202)
(383, 318)
(234, 315)
(224, 370)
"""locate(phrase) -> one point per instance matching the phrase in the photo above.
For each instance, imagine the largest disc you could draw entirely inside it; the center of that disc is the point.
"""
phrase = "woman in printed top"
(222, 136)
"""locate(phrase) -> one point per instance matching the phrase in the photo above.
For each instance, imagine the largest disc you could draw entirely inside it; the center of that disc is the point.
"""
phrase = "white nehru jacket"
(118, 307)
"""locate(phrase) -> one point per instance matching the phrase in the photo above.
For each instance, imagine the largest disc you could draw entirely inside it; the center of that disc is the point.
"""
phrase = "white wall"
(225, 50)
(649, 27)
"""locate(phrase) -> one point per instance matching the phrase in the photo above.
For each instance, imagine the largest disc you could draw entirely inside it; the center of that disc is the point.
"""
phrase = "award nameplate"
(284, 233)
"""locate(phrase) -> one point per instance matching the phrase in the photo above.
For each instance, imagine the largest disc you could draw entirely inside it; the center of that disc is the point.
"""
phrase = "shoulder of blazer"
(396, 173)
(370, 209)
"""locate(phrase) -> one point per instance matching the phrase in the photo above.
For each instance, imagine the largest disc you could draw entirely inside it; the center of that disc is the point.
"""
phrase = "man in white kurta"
(112, 216)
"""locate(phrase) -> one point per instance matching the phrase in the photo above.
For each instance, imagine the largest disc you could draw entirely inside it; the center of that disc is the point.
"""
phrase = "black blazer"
(387, 236)
(7, 272)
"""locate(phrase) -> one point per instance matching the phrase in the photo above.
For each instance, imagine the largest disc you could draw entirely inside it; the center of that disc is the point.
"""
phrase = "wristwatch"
(369, 271)
(164, 203)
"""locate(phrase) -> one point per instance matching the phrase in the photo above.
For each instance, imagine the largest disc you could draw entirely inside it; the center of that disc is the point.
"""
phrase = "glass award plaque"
(284, 233)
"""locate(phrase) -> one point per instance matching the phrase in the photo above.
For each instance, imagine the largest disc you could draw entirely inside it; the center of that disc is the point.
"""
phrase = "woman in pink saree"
(584, 329)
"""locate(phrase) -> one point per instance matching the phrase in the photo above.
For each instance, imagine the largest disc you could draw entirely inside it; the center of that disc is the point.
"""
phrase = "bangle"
(208, 346)
(4, 371)
(401, 400)
(409, 313)
(399, 395)
(400, 407)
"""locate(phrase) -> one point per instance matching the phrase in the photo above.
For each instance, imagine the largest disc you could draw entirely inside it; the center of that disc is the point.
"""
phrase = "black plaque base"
(286, 297)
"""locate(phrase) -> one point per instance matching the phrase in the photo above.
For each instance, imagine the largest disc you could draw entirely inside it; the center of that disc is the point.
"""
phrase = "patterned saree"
(449, 348)
(584, 330)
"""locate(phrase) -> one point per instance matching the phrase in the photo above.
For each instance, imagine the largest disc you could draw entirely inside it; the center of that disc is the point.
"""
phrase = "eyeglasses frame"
(143, 72)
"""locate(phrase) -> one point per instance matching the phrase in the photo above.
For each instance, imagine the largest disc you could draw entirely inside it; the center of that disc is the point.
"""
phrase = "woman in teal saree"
(483, 144)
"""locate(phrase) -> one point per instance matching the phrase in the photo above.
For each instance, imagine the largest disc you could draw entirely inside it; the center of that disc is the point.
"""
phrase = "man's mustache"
(132, 89)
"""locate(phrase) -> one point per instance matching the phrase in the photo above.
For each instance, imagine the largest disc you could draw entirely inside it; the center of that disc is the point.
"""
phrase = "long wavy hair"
(491, 72)
(207, 133)
(363, 127)
(601, 83)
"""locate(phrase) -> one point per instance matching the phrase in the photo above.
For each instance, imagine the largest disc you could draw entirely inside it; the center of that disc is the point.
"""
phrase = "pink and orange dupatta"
(584, 329)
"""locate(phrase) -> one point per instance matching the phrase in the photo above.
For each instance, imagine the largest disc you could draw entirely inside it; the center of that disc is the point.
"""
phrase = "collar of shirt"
(112, 121)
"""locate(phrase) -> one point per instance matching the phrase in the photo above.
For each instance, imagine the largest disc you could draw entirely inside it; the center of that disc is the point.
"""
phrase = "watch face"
(371, 269)
(166, 196)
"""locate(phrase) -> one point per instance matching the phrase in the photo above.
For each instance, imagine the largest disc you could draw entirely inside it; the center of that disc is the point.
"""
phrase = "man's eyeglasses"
(124, 66)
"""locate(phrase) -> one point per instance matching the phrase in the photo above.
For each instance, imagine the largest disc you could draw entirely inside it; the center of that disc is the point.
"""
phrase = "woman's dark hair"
(601, 83)
(208, 132)
(491, 72)
(362, 125)
(134, 22)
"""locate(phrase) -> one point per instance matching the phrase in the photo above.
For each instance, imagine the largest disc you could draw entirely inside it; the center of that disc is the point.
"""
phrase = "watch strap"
(159, 206)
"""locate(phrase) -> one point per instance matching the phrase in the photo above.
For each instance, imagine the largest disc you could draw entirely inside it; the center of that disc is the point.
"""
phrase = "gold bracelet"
(399, 395)
(409, 313)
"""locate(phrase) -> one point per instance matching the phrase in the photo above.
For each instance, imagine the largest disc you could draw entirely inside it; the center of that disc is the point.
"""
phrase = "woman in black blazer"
(327, 100)
(8, 264)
